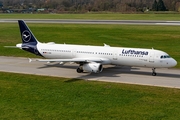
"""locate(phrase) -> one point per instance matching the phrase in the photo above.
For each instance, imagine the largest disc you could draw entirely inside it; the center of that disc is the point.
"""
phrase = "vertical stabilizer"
(26, 34)
(29, 41)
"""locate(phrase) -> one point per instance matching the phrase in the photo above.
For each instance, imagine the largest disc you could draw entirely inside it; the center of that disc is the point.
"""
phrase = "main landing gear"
(153, 72)
(79, 69)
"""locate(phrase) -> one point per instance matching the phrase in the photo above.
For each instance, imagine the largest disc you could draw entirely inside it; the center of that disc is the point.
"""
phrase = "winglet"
(105, 45)
(30, 60)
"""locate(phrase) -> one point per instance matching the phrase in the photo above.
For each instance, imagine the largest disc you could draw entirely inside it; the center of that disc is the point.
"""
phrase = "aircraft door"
(115, 54)
(74, 53)
(151, 57)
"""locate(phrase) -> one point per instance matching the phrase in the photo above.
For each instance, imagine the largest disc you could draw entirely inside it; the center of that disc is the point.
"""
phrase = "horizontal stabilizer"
(11, 47)
(15, 47)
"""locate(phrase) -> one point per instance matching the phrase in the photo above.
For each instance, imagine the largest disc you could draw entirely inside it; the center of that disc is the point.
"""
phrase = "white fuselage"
(92, 58)
(114, 55)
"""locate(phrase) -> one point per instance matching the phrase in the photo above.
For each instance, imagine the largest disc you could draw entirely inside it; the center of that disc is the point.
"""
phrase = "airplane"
(92, 58)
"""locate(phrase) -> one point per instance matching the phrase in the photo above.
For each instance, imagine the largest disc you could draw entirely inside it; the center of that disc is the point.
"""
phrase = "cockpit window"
(165, 56)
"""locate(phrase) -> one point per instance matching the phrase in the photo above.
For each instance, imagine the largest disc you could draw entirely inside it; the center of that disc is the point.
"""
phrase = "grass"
(165, 38)
(30, 97)
(101, 16)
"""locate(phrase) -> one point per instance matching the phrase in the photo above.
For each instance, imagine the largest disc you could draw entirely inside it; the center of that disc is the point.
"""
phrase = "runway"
(130, 75)
(82, 21)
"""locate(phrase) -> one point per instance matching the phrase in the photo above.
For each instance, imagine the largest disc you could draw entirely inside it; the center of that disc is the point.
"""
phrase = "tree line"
(158, 6)
(93, 5)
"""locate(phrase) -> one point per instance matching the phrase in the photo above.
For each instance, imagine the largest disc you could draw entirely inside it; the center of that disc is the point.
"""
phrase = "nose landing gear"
(154, 72)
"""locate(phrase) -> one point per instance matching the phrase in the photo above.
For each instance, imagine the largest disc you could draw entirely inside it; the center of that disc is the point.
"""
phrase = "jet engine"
(92, 67)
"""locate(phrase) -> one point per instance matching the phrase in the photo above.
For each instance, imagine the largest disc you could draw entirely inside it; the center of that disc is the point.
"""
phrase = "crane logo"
(26, 36)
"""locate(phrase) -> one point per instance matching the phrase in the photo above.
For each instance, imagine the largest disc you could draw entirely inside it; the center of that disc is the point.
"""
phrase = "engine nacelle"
(92, 67)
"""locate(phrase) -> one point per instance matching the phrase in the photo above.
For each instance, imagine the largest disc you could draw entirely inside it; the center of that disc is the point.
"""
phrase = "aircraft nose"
(173, 62)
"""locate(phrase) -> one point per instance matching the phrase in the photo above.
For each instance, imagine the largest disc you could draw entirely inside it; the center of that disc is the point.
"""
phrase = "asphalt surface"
(79, 21)
(130, 75)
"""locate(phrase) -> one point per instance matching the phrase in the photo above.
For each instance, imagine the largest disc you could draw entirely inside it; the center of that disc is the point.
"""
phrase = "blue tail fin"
(26, 34)
(29, 42)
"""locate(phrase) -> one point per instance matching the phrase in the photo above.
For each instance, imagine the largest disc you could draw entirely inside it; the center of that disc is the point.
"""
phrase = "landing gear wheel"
(79, 70)
(154, 72)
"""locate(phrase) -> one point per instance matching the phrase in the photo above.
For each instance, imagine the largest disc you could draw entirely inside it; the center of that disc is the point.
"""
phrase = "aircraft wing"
(78, 60)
